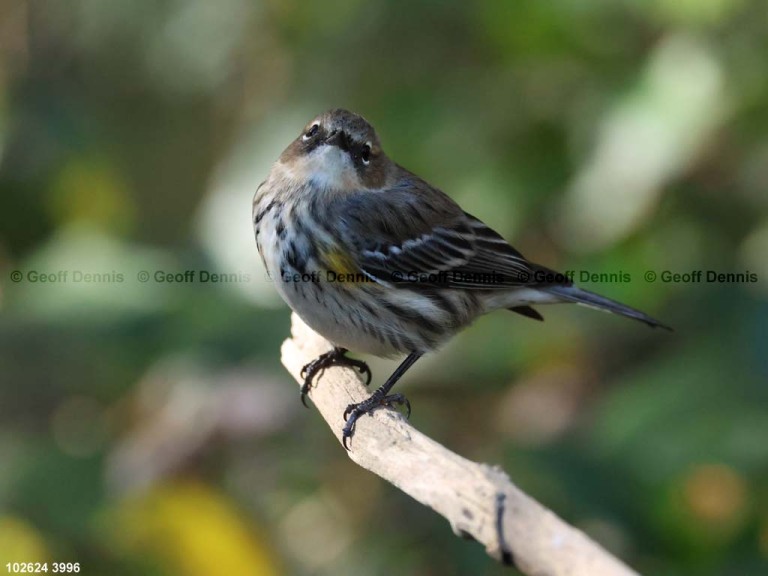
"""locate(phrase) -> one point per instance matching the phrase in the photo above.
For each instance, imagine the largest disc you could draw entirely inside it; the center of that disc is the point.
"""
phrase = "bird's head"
(338, 150)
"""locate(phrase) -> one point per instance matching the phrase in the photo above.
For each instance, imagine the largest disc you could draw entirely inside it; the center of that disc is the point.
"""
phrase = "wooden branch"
(478, 500)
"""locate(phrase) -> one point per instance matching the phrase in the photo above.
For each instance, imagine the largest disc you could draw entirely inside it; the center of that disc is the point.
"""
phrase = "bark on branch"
(478, 500)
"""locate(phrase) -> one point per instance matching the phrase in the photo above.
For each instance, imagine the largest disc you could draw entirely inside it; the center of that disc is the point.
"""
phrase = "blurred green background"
(149, 428)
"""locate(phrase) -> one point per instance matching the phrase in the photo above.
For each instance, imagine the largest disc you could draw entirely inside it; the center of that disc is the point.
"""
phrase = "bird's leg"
(381, 397)
(335, 357)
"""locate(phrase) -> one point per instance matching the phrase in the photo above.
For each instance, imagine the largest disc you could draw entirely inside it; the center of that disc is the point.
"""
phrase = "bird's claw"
(362, 367)
(354, 411)
(335, 357)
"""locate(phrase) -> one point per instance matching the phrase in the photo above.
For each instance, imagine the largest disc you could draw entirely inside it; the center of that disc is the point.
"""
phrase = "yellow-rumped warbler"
(378, 261)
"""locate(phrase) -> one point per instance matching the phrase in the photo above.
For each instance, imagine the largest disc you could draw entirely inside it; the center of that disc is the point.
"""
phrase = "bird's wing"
(414, 235)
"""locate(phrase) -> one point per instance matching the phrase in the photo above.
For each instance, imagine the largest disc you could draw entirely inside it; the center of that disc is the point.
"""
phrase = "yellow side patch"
(342, 269)
(341, 264)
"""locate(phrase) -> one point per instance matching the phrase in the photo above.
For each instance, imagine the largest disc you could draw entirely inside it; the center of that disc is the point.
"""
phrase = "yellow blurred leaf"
(192, 530)
(20, 541)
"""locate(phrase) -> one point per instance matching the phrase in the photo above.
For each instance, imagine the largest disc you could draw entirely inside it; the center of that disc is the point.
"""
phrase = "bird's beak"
(338, 138)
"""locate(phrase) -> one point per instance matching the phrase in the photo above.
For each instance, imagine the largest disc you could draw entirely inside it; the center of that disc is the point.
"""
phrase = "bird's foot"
(335, 357)
(375, 400)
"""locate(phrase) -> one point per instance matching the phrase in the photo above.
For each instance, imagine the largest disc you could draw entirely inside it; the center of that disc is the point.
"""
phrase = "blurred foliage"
(146, 427)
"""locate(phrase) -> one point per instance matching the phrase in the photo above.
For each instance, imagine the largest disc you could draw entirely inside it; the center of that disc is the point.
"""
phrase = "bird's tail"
(586, 298)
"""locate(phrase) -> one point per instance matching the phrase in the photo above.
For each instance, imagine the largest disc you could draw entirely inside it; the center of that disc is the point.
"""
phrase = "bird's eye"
(366, 154)
(312, 131)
